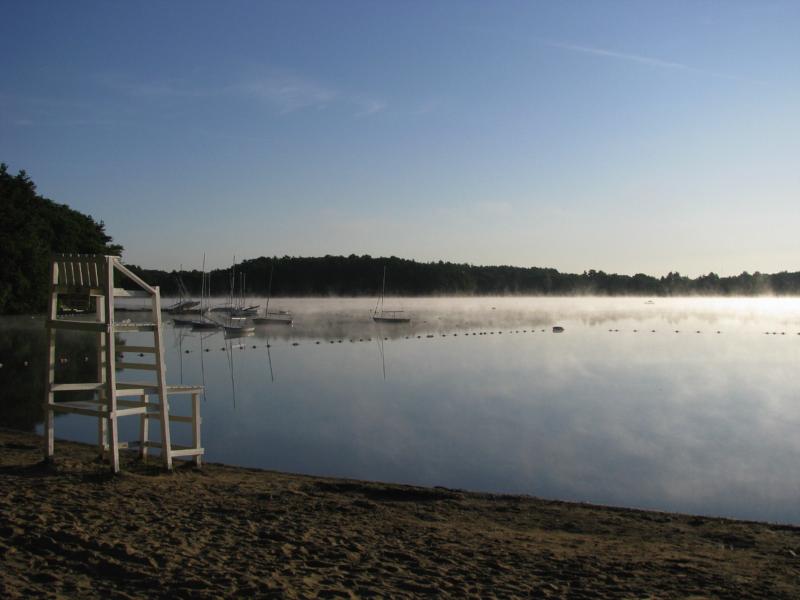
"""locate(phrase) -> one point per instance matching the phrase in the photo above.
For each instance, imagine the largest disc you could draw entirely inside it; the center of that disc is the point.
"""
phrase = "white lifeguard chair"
(92, 276)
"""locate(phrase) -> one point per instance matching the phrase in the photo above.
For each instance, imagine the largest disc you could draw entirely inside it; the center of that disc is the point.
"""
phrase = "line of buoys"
(556, 329)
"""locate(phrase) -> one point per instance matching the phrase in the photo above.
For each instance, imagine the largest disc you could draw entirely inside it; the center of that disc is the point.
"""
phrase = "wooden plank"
(187, 452)
(196, 427)
(76, 387)
(144, 430)
(111, 376)
(126, 412)
(89, 412)
(129, 385)
(163, 397)
(131, 275)
(123, 293)
(136, 391)
(49, 397)
(83, 273)
(100, 317)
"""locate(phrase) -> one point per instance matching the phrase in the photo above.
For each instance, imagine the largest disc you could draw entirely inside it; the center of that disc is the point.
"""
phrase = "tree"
(32, 228)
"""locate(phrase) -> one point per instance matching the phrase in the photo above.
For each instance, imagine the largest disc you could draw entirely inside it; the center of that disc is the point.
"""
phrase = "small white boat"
(391, 316)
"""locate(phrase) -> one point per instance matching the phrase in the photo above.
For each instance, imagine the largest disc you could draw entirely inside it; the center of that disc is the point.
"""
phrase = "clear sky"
(628, 136)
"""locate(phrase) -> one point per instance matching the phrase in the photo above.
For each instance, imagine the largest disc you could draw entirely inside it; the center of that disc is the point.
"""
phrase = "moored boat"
(382, 315)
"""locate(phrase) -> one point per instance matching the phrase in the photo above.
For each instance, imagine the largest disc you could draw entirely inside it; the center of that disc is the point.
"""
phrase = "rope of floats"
(556, 329)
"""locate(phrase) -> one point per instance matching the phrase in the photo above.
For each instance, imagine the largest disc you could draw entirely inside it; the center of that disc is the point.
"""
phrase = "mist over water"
(618, 409)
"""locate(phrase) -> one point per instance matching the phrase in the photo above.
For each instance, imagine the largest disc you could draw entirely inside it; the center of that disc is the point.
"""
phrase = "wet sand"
(73, 530)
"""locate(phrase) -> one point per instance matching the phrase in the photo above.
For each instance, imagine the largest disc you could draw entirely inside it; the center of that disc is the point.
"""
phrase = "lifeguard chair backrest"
(80, 273)
(88, 274)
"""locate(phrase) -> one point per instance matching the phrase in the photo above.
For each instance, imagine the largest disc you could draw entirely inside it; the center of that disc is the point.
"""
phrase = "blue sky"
(629, 136)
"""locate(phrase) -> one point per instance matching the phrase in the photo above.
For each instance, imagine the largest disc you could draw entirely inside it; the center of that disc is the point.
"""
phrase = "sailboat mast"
(380, 298)
(233, 280)
(383, 290)
(269, 288)
(202, 284)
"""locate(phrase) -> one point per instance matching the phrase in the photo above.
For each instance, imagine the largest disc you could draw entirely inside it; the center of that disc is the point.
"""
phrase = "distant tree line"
(362, 275)
(32, 228)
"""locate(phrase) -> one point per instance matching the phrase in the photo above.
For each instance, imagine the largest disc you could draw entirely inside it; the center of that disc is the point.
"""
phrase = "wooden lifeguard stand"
(92, 276)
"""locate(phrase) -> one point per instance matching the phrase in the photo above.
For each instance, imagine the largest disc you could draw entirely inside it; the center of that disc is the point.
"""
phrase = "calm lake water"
(690, 405)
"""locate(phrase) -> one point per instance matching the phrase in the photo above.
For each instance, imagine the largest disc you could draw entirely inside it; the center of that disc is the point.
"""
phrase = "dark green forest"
(33, 227)
(362, 275)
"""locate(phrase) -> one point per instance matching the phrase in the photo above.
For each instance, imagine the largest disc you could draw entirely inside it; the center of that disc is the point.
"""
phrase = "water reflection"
(618, 409)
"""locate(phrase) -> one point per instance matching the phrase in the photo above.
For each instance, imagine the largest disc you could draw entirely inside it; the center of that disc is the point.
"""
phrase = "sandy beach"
(73, 530)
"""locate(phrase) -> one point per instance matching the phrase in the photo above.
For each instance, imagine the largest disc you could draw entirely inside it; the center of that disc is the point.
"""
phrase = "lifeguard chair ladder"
(92, 276)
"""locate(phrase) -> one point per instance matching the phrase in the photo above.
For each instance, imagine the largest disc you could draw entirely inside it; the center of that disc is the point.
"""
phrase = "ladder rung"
(187, 452)
(76, 387)
(134, 326)
(138, 349)
(76, 325)
(126, 412)
(139, 366)
(135, 389)
(122, 393)
(123, 293)
(80, 410)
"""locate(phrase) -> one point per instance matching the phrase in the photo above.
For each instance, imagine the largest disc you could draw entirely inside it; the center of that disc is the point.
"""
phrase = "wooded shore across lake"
(362, 275)
(33, 228)
(73, 530)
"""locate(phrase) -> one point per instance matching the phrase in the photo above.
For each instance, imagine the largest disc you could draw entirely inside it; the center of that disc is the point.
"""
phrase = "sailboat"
(381, 315)
(237, 319)
(280, 317)
(205, 292)
(184, 304)
(235, 307)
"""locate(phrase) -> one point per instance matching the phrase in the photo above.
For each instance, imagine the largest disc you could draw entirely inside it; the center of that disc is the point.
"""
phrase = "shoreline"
(73, 529)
